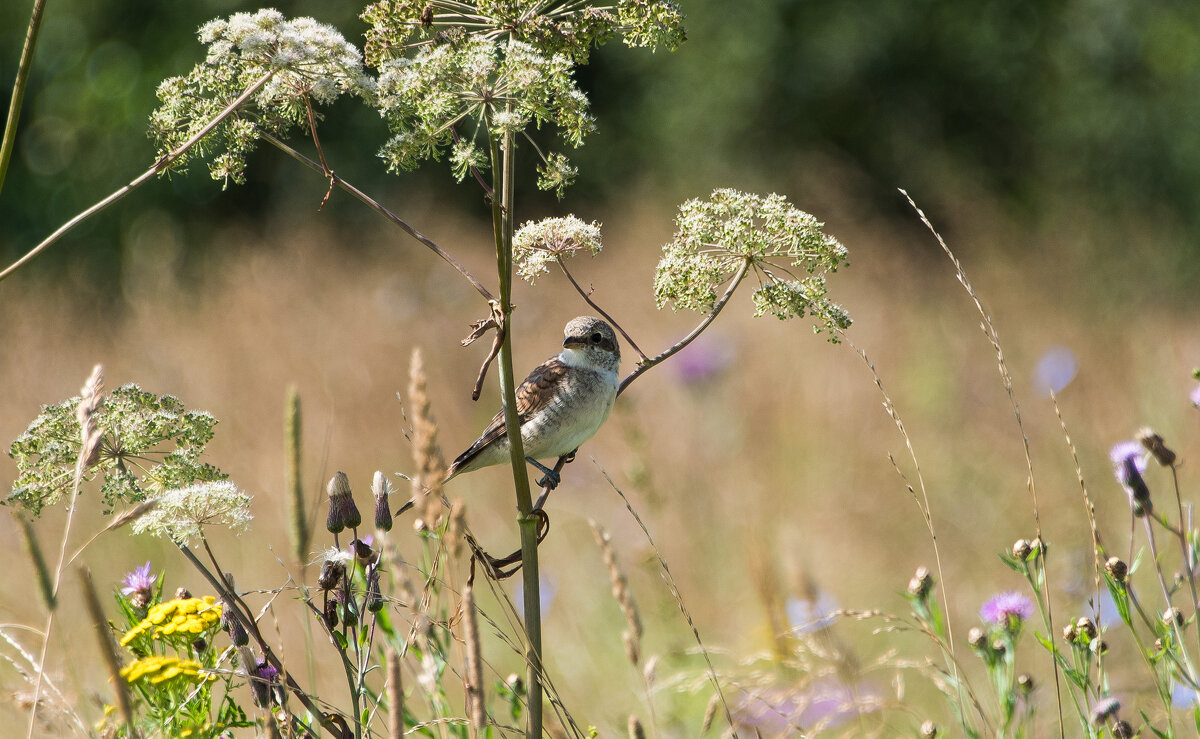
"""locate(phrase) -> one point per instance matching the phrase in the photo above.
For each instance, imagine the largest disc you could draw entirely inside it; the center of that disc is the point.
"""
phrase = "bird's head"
(593, 338)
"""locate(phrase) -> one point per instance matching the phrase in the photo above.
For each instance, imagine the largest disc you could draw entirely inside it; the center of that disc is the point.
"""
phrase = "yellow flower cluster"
(179, 616)
(160, 668)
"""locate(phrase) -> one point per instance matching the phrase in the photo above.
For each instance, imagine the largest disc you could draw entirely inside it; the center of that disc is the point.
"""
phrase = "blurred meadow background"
(1054, 145)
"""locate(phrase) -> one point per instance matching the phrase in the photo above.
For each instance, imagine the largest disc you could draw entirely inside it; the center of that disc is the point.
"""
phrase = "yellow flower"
(185, 615)
(158, 669)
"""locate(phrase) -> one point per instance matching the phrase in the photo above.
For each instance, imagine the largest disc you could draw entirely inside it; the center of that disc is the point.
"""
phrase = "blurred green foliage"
(1041, 102)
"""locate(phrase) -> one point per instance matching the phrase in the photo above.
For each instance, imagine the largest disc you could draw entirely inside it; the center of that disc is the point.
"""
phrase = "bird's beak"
(573, 341)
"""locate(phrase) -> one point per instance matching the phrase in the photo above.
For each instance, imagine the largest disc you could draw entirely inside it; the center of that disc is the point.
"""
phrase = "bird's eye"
(597, 338)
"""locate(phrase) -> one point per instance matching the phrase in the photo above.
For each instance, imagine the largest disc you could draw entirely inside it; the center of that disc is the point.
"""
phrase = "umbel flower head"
(306, 60)
(538, 244)
(495, 67)
(181, 514)
(736, 234)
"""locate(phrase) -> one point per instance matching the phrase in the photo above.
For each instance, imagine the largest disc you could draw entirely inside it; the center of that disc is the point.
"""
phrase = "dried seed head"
(427, 454)
(1039, 547)
(331, 614)
(382, 489)
(1021, 549)
(635, 728)
(1122, 730)
(182, 594)
(929, 730)
(1025, 682)
(999, 647)
(1154, 444)
(1116, 568)
(90, 398)
(1098, 646)
(977, 637)
(332, 572)
(1173, 616)
(921, 583)
(343, 513)
(1086, 629)
(1069, 633)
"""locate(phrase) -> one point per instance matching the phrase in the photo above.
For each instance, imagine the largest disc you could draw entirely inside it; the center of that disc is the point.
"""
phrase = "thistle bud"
(1086, 629)
(1154, 444)
(1021, 549)
(1173, 616)
(1122, 730)
(929, 730)
(330, 615)
(375, 601)
(343, 513)
(921, 583)
(1117, 569)
(182, 594)
(977, 638)
(1025, 682)
(1069, 633)
(381, 489)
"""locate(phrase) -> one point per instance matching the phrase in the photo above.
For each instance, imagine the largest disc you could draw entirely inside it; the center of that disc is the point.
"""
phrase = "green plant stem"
(18, 93)
(160, 166)
(502, 226)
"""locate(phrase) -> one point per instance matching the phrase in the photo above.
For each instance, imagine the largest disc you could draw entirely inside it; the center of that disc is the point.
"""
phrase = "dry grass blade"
(474, 678)
(622, 594)
(107, 648)
(674, 587)
(395, 696)
(989, 330)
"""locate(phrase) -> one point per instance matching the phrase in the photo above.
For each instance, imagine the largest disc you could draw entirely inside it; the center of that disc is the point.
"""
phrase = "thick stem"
(502, 225)
(18, 93)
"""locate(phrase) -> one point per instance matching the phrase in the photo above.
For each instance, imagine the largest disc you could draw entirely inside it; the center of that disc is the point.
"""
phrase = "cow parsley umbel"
(538, 244)
(733, 234)
(305, 61)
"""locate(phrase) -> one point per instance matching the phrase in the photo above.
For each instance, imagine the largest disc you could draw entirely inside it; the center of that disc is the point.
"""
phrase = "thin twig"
(312, 127)
(160, 166)
(653, 361)
(381, 210)
(587, 297)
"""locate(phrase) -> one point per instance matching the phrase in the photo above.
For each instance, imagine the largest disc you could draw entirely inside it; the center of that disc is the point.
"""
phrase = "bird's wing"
(534, 394)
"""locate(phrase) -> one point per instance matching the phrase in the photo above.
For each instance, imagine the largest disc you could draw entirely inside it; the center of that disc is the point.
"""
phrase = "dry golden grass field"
(758, 459)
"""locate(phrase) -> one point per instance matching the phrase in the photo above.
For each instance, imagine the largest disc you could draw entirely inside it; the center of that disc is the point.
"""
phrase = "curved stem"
(587, 297)
(712, 314)
(381, 210)
(160, 166)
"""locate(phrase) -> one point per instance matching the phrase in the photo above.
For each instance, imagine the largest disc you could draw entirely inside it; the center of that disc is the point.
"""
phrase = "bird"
(560, 405)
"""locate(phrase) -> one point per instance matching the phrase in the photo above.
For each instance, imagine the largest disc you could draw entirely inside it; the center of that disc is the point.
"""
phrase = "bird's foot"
(550, 478)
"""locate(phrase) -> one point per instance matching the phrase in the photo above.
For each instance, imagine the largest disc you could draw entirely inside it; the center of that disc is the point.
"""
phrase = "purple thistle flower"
(140, 579)
(1003, 608)
(1195, 396)
(1129, 463)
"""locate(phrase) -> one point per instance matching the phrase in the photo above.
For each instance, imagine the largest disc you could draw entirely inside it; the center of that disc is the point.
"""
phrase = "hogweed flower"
(538, 244)
(139, 586)
(181, 514)
(1007, 610)
(305, 60)
(737, 233)
(499, 65)
(147, 444)
(343, 513)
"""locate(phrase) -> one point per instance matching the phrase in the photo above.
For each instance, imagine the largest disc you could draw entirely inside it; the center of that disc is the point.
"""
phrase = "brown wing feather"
(532, 396)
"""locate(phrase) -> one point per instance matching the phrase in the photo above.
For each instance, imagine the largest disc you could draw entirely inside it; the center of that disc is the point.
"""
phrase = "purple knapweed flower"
(1003, 609)
(140, 579)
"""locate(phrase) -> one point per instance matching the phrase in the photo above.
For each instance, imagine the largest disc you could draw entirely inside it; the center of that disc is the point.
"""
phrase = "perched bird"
(560, 405)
